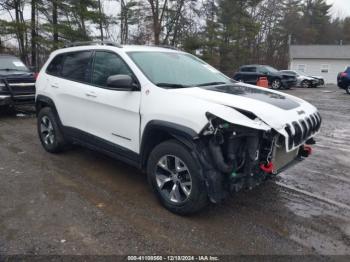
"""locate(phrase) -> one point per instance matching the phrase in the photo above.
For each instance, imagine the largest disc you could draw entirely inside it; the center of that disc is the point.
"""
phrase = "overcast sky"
(341, 8)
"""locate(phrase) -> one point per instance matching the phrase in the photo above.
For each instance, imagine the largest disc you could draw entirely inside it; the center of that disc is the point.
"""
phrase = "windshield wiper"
(212, 84)
(171, 85)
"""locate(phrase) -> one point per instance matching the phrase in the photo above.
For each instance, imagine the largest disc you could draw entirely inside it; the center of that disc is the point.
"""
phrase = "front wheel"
(306, 84)
(175, 178)
(276, 84)
(348, 89)
(49, 132)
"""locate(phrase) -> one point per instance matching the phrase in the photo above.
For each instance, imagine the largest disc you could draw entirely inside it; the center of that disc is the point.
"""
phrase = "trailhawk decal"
(257, 94)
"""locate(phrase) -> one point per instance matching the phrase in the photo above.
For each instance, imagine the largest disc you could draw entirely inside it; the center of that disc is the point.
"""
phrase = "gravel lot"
(82, 202)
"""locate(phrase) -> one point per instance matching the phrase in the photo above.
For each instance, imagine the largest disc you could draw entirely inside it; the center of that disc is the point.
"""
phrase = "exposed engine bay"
(238, 158)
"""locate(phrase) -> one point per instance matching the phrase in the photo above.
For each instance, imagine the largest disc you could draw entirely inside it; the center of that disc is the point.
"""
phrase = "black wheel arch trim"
(41, 99)
(183, 134)
(190, 139)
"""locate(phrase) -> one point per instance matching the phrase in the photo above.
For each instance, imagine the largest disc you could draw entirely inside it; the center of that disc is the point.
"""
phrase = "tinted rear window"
(55, 67)
(248, 69)
(76, 66)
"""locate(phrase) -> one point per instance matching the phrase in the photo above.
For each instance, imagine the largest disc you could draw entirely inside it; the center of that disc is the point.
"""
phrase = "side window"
(263, 70)
(248, 69)
(76, 66)
(107, 64)
(55, 67)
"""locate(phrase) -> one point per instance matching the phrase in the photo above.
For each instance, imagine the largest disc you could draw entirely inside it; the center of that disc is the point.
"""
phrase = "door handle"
(91, 95)
(54, 86)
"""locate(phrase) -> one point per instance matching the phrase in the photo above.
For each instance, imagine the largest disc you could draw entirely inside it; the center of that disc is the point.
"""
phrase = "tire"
(305, 84)
(181, 192)
(50, 134)
(276, 84)
(348, 89)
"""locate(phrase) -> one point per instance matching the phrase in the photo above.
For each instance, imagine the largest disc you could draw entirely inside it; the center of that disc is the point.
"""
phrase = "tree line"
(225, 33)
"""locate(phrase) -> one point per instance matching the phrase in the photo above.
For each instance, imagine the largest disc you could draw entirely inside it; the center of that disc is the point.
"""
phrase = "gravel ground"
(82, 202)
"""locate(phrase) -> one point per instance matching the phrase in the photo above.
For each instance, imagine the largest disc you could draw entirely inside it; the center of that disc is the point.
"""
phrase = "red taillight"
(344, 74)
(36, 75)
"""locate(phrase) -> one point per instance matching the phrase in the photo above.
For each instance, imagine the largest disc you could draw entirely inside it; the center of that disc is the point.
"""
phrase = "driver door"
(113, 115)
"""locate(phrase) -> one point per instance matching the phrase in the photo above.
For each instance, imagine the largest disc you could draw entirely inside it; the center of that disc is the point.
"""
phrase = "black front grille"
(21, 86)
(303, 129)
(298, 134)
(20, 80)
(290, 135)
(309, 123)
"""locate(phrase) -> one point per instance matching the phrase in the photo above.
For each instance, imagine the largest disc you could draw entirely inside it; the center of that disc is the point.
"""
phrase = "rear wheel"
(276, 84)
(175, 178)
(49, 132)
(348, 89)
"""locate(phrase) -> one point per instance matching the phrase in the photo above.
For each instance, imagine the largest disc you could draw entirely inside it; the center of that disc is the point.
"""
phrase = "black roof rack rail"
(166, 46)
(109, 43)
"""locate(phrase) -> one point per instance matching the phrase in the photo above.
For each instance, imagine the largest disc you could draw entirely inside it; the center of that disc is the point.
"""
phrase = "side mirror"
(121, 83)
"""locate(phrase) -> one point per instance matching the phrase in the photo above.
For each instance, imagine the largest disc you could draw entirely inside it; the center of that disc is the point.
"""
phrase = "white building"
(320, 60)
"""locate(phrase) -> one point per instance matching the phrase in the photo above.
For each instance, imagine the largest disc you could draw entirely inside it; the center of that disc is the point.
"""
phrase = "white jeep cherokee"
(197, 133)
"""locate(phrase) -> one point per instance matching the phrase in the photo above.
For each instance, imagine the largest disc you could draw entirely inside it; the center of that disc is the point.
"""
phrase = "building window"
(301, 68)
(324, 69)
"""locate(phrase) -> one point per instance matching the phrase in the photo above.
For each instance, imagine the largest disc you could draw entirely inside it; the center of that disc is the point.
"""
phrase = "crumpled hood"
(274, 108)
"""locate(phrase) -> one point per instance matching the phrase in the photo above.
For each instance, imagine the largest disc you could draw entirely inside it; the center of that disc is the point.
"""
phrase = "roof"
(320, 51)
(252, 65)
(124, 48)
(129, 48)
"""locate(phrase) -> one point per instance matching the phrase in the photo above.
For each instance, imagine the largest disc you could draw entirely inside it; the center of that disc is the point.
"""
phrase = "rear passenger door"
(113, 115)
(250, 75)
(69, 77)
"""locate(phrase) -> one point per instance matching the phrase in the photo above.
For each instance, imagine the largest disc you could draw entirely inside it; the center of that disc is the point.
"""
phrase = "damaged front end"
(236, 157)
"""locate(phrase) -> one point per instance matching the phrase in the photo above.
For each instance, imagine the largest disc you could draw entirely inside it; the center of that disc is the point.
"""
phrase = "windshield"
(177, 70)
(301, 73)
(271, 69)
(12, 64)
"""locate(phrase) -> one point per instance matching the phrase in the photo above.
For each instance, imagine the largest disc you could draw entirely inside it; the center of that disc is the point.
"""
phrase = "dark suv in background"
(17, 82)
(251, 73)
(344, 80)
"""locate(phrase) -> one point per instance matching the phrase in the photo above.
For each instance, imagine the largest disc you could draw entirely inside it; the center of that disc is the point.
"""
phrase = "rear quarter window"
(77, 66)
(248, 69)
(55, 67)
(74, 66)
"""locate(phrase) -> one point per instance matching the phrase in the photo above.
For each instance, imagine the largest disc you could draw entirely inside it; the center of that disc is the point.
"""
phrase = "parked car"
(251, 73)
(197, 134)
(320, 79)
(17, 82)
(344, 80)
(303, 80)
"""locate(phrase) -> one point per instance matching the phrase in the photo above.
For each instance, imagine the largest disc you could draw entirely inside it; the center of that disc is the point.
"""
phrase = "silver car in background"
(304, 80)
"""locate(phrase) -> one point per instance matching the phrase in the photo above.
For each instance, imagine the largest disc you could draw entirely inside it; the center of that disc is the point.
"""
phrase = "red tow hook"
(268, 168)
(308, 150)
